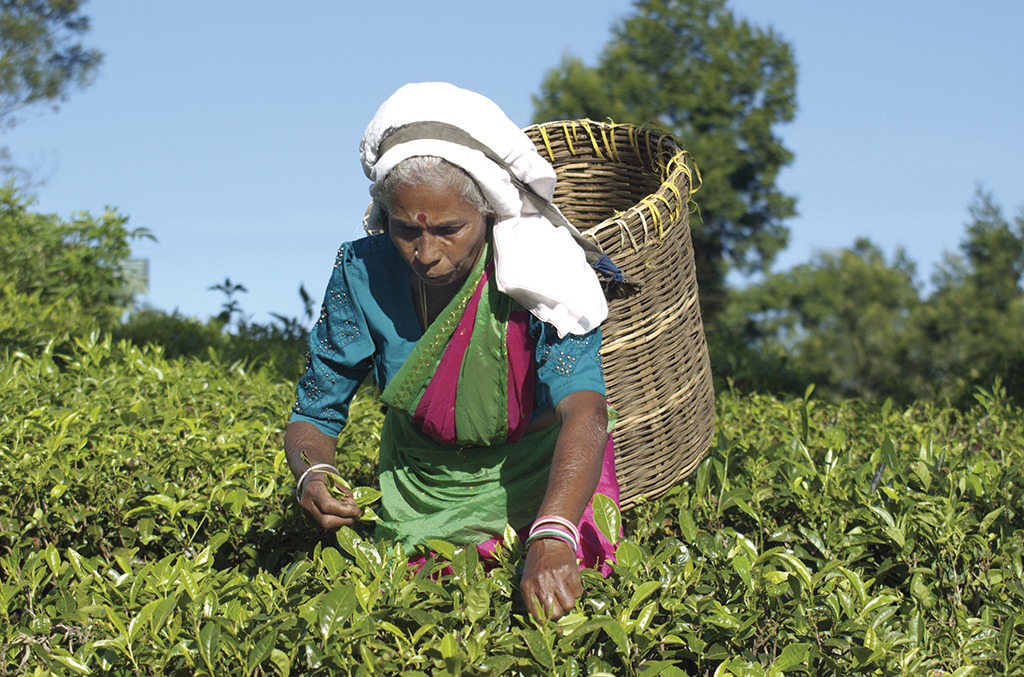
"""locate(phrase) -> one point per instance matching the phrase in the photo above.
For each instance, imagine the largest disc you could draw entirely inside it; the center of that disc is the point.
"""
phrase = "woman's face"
(438, 233)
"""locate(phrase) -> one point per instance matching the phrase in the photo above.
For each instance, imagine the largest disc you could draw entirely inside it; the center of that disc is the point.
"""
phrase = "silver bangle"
(300, 487)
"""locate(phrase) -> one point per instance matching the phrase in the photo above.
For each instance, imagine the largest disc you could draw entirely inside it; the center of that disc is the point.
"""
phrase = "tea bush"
(147, 527)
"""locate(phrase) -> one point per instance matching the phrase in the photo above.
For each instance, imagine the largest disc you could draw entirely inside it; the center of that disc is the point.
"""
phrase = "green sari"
(455, 461)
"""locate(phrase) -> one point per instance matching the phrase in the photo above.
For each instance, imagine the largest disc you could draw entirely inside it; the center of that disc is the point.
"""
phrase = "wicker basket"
(629, 189)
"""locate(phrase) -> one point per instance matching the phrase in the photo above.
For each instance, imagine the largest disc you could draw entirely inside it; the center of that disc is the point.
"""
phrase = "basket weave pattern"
(629, 189)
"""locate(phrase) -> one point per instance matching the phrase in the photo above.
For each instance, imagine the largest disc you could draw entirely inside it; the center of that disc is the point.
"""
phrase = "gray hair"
(432, 171)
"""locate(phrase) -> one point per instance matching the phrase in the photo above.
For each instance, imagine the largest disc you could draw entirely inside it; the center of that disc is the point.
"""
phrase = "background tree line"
(849, 321)
(853, 322)
(860, 325)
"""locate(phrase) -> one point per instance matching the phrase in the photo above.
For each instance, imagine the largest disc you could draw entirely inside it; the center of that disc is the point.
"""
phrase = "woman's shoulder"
(367, 251)
(371, 275)
(368, 262)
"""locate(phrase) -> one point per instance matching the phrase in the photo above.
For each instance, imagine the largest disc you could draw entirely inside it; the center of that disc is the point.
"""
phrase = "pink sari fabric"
(435, 412)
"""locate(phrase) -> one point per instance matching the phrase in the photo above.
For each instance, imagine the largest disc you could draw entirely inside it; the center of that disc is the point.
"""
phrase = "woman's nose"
(426, 250)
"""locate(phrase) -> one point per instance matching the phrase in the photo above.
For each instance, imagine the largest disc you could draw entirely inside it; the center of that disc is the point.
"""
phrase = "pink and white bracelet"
(553, 526)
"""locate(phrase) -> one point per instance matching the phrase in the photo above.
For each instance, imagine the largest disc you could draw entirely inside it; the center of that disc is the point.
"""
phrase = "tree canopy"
(720, 85)
(856, 324)
(973, 323)
(59, 278)
(42, 57)
(843, 321)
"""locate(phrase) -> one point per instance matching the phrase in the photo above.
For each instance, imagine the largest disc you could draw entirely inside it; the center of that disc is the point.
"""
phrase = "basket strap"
(614, 282)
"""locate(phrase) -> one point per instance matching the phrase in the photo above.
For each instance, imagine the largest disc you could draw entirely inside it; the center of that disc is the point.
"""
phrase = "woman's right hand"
(322, 509)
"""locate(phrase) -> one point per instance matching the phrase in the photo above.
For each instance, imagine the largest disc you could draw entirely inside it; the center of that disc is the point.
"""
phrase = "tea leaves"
(148, 527)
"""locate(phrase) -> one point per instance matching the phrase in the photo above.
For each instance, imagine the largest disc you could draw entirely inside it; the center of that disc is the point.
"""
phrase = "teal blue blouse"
(368, 322)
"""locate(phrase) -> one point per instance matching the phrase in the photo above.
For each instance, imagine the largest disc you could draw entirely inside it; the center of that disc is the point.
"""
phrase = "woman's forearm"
(305, 437)
(319, 505)
(579, 455)
(551, 581)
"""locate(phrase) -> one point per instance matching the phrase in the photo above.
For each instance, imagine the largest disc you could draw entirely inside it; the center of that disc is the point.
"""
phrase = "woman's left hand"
(551, 579)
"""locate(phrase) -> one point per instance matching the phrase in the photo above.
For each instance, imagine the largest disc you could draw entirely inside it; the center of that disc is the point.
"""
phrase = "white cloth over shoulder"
(537, 263)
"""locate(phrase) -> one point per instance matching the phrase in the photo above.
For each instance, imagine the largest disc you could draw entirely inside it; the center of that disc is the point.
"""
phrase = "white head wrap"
(538, 264)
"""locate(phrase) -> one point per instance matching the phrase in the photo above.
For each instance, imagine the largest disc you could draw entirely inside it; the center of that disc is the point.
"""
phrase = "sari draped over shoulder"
(455, 461)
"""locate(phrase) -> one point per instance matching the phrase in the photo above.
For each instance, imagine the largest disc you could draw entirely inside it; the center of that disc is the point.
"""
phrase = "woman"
(480, 321)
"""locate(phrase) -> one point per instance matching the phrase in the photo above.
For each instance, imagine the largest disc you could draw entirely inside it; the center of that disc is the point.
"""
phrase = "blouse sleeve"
(339, 357)
(565, 365)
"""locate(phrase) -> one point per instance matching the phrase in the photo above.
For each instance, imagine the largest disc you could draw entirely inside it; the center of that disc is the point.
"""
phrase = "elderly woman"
(479, 319)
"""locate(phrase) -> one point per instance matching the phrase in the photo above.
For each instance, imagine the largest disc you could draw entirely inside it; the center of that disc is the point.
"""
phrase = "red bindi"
(422, 218)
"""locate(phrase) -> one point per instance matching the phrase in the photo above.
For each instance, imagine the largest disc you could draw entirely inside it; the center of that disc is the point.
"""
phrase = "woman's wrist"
(550, 539)
(554, 527)
(315, 470)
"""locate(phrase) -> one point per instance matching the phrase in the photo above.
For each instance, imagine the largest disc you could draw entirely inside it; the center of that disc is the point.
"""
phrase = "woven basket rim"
(658, 211)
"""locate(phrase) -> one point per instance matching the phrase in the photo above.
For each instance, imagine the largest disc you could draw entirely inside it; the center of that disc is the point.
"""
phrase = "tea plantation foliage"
(147, 527)
(147, 524)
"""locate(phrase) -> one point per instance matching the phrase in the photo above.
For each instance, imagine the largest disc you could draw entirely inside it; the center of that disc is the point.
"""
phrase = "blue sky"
(230, 130)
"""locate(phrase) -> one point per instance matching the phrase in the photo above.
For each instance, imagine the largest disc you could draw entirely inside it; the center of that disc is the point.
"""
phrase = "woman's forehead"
(427, 204)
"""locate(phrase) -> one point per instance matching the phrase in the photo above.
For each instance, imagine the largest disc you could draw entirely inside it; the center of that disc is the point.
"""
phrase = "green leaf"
(348, 540)
(333, 561)
(646, 615)
(619, 636)
(571, 622)
(52, 558)
(365, 496)
(792, 655)
(497, 665)
(643, 591)
(510, 538)
(661, 669)
(920, 471)
(260, 651)
(161, 610)
(187, 581)
(896, 534)
(443, 548)
(336, 607)
(799, 568)
(209, 644)
(539, 649)
(450, 646)
(478, 601)
(629, 557)
(687, 525)
(724, 619)
(607, 517)
(891, 460)
(117, 621)
(281, 662)
(991, 517)
(741, 565)
(71, 662)
(1005, 640)
(921, 591)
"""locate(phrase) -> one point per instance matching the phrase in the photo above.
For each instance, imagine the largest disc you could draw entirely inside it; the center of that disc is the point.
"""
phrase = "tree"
(974, 321)
(718, 84)
(844, 321)
(41, 57)
(59, 279)
(854, 323)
